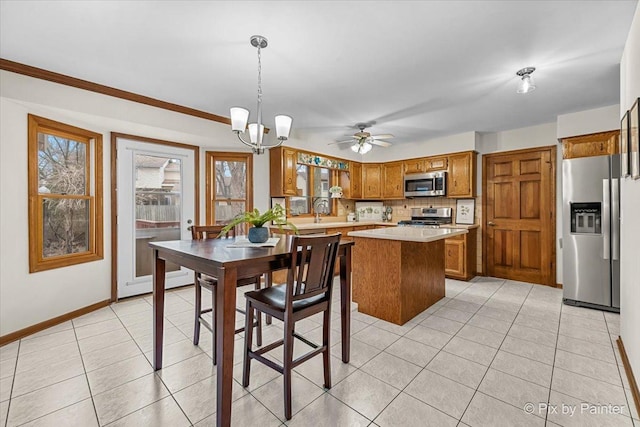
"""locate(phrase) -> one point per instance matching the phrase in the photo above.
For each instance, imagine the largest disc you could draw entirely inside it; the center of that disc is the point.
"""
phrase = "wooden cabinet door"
(461, 179)
(433, 164)
(454, 255)
(355, 171)
(596, 144)
(289, 164)
(371, 180)
(519, 240)
(414, 166)
(392, 178)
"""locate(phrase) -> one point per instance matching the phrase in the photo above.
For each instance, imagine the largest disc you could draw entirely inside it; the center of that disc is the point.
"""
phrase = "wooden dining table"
(214, 257)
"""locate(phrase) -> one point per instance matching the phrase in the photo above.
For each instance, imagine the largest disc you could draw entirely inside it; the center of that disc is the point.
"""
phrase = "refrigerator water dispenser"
(586, 218)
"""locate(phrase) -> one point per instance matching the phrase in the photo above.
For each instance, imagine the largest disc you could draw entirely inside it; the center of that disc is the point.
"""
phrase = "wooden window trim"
(334, 179)
(210, 158)
(92, 193)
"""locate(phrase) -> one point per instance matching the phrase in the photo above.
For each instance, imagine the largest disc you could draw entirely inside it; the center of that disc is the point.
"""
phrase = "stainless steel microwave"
(425, 184)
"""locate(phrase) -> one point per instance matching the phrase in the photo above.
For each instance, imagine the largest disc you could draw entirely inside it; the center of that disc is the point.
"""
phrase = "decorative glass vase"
(258, 234)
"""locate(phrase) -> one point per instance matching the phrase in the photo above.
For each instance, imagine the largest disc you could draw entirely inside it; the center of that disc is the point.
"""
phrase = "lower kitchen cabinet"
(460, 256)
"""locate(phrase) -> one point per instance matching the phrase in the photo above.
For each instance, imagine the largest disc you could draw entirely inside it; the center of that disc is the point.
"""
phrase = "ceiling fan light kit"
(526, 83)
(362, 142)
(240, 116)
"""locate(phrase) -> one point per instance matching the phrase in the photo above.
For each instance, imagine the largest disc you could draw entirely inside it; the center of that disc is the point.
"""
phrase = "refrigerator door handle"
(615, 219)
(606, 221)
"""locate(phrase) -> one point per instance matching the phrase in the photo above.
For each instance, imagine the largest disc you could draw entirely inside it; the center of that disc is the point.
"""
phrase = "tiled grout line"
(13, 380)
(553, 366)
(494, 356)
(86, 377)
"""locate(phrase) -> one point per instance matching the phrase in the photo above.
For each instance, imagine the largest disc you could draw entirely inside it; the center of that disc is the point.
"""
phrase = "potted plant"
(336, 192)
(258, 233)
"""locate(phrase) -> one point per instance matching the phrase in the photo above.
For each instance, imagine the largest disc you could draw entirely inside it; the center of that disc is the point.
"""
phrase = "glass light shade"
(283, 126)
(526, 85)
(363, 148)
(239, 118)
(253, 132)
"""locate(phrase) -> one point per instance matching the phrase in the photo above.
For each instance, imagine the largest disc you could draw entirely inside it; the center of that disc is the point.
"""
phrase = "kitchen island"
(399, 272)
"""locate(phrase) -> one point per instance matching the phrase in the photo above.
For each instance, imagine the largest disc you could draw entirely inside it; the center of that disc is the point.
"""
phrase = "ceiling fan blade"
(380, 143)
(382, 136)
(341, 142)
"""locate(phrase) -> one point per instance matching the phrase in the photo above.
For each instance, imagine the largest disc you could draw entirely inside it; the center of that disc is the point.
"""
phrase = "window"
(229, 189)
(313, 185)
(65, 195)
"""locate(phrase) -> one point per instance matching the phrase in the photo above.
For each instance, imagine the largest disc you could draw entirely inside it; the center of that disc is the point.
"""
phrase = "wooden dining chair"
(307, 292)
(202, 232)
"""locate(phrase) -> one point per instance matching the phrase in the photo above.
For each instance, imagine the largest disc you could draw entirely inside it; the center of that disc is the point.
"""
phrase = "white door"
(155, 187)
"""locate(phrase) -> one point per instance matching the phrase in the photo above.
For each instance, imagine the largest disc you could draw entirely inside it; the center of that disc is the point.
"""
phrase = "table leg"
(225, 318)
(345, 302)
(158, 309)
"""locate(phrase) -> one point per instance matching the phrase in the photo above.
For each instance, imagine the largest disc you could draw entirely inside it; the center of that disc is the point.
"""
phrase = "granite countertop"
(409, 234)
(337, 224)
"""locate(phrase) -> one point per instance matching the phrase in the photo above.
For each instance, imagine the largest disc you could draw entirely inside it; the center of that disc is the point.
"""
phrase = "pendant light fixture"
(240, 116)
(526, 84)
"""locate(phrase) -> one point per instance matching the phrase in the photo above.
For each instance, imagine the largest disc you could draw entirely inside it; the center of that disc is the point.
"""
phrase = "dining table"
(219, 258)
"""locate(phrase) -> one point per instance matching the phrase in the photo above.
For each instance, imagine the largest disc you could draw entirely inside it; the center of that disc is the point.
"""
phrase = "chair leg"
(214, 323)
(326, 355)
(198, 304)
(248, 338)
(288, 361)
(259, 316)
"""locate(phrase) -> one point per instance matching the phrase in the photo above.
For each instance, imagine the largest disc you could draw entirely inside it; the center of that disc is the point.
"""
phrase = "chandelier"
(240, 116)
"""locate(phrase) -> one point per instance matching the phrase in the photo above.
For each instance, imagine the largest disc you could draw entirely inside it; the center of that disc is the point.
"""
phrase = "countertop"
(338, 224)
(409, 234)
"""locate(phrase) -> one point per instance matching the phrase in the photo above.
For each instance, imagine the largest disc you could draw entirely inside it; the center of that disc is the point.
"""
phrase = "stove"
(427, 217)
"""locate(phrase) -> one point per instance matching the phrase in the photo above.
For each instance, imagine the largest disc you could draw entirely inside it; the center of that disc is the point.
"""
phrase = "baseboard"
(13, 336)
(627, 367)
(559, 285)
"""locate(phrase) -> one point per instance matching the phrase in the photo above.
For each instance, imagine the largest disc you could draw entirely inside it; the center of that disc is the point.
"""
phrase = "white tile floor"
(479, 357)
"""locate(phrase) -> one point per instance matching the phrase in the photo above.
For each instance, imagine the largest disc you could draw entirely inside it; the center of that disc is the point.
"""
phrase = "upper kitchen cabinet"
(425, 164)
(393, 187)
(462, 175)
(371, 181)
(433, 164)
(595, 144)
(282, 165)
(351, 181)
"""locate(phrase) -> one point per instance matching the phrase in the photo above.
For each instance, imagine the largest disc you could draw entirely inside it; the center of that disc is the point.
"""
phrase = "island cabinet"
(461, 181)
(460, 256)
(393, 187)
(595, 144)
(351, 181)
(371, 181)
(282, 165)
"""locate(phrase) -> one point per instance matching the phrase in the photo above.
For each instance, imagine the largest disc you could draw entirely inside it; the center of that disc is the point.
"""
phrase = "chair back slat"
(312, 265)
(203, 232)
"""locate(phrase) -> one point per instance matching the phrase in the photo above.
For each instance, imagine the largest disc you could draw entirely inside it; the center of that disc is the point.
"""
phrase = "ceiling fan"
(362, 141)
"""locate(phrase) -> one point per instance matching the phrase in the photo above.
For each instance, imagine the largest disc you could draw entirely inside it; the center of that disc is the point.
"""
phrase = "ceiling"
(416, 69)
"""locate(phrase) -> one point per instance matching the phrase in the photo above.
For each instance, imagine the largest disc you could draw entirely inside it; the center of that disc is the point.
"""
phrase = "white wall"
(630, 206)
(27, 299)
(590, 121)
(448, 144)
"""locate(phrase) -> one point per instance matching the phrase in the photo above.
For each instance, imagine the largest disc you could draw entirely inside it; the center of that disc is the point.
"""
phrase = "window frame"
(334, 179)
(210, 184)
(93, 193)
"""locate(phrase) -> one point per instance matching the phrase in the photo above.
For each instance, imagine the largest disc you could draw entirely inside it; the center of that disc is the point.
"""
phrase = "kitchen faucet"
(320, 206)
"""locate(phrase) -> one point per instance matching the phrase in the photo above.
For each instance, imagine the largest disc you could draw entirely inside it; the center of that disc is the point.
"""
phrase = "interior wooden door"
(519, 219)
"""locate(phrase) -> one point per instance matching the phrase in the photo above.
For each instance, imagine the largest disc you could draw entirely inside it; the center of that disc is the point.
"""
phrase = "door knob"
(491, 223)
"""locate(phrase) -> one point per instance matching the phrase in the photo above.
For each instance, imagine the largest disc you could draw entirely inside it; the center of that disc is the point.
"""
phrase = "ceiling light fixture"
(526, 84)
(240, 116)
(361, 147)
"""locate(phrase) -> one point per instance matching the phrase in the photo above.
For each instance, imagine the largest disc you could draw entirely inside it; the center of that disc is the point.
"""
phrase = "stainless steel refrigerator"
(591, 232)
